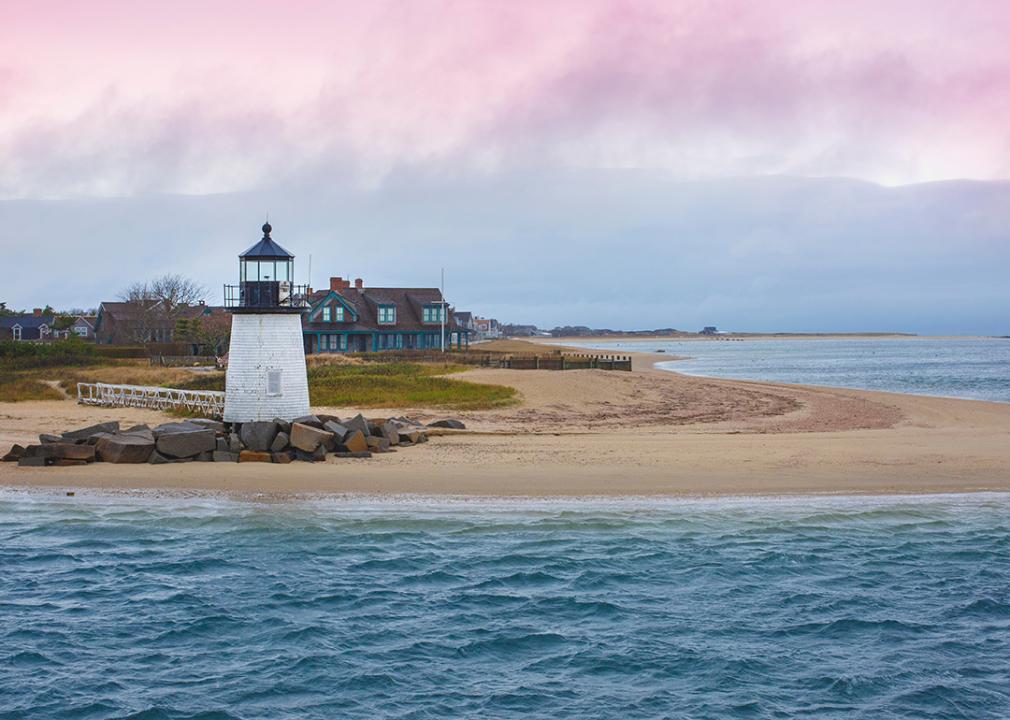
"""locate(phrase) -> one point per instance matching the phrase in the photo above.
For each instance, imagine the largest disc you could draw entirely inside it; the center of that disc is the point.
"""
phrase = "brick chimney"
(338, 283)
(359, 284)
(37, 312)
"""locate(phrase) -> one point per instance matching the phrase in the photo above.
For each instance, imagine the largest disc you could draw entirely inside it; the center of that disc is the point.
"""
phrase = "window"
(338, 313)
(343, 341)
(387, 314)
(326, 314)
(274, 382)
(432, 313)
(81, 331)
(16, 332)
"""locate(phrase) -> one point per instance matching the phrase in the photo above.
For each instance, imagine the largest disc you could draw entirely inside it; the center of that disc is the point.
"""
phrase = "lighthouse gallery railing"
(207, 402)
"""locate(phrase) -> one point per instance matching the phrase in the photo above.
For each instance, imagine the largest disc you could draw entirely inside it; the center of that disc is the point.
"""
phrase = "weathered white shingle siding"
(260, 343)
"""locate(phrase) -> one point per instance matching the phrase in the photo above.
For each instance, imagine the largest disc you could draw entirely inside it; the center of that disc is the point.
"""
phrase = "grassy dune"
(359, 384)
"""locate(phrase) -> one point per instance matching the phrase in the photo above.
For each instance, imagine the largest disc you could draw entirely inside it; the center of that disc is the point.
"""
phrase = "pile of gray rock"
(311, 438)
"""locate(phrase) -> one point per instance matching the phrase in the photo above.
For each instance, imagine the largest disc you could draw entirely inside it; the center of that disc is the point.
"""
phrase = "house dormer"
(433, 313)
(332, 308)
(16, 332)
(386, 313)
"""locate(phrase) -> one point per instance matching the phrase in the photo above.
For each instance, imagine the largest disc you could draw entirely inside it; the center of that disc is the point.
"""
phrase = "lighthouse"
(266, 361)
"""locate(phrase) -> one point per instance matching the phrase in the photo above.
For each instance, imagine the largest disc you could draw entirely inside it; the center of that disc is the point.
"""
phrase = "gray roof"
(26, 321)
(267, 249)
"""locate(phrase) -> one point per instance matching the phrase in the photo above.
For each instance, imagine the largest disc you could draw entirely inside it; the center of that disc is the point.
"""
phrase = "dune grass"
(358, 384)
(403, 385)
(15, 387)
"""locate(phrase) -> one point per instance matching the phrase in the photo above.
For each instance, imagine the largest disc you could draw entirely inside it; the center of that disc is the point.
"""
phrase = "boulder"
(319, 454)
(84, 433)
(280, 442)
(338, 430)
(354, 441)
(67, 462)
(234, 443)
(215, 425)
(450, 423)
(186, 444)
(143, 432)
(282, 458)
(124, 449)
(254, 455)
(46, 438)
(303, 456)
(358, 423)
(377, 444)
(220, 456)
(258, 436)
(205, 456)
(310, 420)
(158, 459)
(31, 462)
(176, 427)
(409, 436)
(283, 425)
(391, 432)
(69, 451)
(356, 455)
(308, 438)
(221, 444)
(14, 454)
(137, 428)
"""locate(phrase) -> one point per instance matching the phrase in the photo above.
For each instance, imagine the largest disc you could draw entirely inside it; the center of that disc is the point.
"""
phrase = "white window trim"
(16, 332)
(387, 308)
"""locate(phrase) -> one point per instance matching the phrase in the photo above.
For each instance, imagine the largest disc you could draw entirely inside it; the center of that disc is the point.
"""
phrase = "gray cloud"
(623, 249)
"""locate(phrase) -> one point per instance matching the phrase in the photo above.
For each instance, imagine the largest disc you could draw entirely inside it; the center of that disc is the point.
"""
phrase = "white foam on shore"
(368, 503)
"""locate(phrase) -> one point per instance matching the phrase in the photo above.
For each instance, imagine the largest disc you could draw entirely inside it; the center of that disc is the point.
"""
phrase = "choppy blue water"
(975, 368)
(114, 607)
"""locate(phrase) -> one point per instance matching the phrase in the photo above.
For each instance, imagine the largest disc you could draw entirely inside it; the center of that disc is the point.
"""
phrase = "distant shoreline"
(752, 336)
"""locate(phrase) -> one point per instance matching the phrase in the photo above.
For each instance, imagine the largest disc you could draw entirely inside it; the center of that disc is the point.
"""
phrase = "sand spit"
(594, 432)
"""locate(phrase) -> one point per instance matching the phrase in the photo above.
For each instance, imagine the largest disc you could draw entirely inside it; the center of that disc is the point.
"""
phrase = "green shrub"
(27, 355)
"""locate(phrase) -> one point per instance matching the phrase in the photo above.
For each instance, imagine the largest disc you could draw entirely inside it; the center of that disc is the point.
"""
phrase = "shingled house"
(359, 319)
(128, 323)
(36, 326)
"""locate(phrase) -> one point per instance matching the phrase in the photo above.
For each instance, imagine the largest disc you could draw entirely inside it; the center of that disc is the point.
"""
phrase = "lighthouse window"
(273, 382)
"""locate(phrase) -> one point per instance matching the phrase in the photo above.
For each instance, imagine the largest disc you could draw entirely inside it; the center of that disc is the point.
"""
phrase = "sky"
(751, 164)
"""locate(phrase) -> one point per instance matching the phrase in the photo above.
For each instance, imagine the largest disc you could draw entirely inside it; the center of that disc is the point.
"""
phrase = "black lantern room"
(266, 280)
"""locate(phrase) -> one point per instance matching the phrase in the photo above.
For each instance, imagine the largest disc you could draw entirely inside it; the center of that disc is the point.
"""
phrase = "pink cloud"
(116, 97)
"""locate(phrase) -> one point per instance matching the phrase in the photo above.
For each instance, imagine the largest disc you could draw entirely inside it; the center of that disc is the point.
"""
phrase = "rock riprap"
(312, 438)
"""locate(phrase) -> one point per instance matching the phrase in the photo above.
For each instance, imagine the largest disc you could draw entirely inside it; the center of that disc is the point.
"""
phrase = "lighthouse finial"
(266, 226)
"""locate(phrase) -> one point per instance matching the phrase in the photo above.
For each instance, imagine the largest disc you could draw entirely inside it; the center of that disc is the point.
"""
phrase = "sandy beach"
(594, 432)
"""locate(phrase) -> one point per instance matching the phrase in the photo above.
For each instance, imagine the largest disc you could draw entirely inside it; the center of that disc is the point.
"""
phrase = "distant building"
(709, 330)
(36, 326)
(135, 323)
(359, 319)
(83, 327)
(486, 328)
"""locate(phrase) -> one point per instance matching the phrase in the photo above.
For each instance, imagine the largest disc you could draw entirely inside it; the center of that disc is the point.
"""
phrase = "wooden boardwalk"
(209, 403)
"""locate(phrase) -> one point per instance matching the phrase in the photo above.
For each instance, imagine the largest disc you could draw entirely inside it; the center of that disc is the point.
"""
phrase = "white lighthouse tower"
(266, 361)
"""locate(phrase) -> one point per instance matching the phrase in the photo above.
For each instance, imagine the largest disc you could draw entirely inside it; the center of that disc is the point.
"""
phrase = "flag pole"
(442, 314)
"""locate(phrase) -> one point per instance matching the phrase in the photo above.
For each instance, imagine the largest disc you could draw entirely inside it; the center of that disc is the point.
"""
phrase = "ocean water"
(973, 368)
(139, 607)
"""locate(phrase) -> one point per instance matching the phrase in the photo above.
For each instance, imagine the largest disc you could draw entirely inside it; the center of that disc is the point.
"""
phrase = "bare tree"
(155, 306)
(176, 291)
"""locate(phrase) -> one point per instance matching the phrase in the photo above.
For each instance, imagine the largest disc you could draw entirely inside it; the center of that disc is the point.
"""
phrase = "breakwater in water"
(116, 606)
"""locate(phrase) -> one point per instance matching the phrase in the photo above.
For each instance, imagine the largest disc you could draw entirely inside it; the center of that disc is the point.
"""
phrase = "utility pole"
(442, 314)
